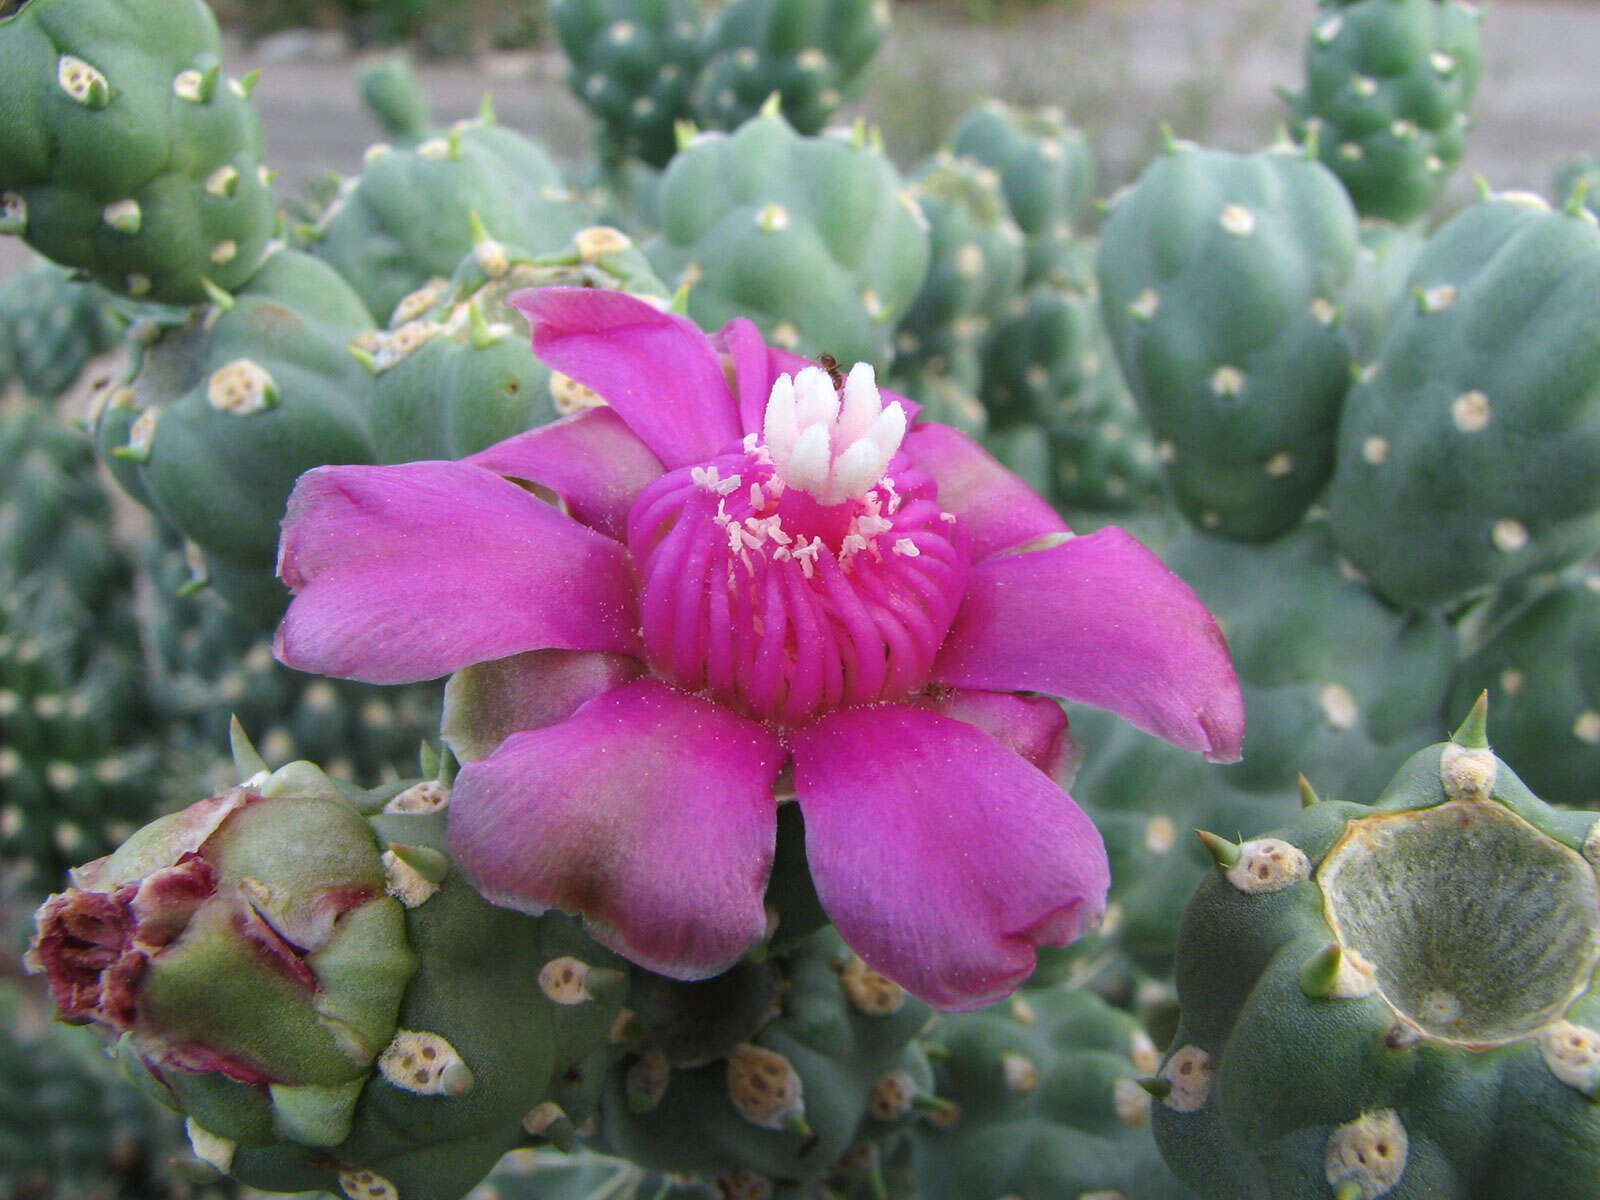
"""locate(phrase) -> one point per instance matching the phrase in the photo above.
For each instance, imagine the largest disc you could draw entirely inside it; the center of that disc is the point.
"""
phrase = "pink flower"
(757, 584)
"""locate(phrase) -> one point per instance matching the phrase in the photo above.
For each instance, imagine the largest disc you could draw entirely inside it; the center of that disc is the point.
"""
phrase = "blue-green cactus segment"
(975, 265)
(811, 53)
(1220, 279)
(1046, 170)
(456, 373)
(407, 217)
(1337, 684)
(789, 1101)
(1469, 454)
(813, 238)
(395, 97)
(1541, 667)
(632, 63)
(1041, 1097)
(1377, 287)
(50, 327)
(225, 414)
(124, 149)
(1337, 949)
(1059, 408)
(1388, 85)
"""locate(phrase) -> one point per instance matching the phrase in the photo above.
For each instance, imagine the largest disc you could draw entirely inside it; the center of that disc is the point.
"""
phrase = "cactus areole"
(763, 579)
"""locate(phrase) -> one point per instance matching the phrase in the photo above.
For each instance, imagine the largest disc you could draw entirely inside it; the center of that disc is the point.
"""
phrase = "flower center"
(799, 573)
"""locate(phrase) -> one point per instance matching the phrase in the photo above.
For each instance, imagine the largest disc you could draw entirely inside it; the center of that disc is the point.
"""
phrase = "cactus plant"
(1040, 1096)
(975, 264)
(810, 53)
(408, 216)
(1539, 663)
(1220, 277)
(1340, 948)
(1047, 173)
(226, 411)
(632, 63)
(1388, 85)
(50, 327)
(1466, 459)
(813, 238)
(124, 150)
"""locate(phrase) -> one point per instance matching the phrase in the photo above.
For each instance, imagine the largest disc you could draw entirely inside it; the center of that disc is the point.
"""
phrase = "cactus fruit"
(1541, 665)
(1469, 453)
(975, 265)
(783, 1091)
(50, 327)
(811, 53)
(456, 374)
(319, 991)
(1336, 683)
(1388, 84)
(812, 238)
(407, 217)
(1220, 277)
(1042, 1099)
(226, 412)
(1428, 961)
(1047, 173)
(632, 63)
(125, 152)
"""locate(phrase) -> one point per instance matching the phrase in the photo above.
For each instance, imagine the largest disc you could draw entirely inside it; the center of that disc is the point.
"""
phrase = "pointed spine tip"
(247, 759)
(1222, 851)
(486, 112)
(480, 231)
(1308, 794)
(1474, 731)
(479, 331)
(772, 106)
(1158, 1087)
(1319, 978)
(218, 297)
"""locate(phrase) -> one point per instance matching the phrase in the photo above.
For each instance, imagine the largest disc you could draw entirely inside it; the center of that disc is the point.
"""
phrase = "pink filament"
(784, 629)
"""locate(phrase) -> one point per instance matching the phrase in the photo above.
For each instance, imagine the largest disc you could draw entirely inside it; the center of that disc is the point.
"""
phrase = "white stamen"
(906, 547)
(861, 405)
(834, 444)
(815, 401)
(808, 463)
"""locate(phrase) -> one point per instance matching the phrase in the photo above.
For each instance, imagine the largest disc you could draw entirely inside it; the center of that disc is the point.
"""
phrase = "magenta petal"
(998, 509)
(657, 370)
(413, 571)
(1032, 726)
(487, 702)
(648, 811)
(943, 858)
(594, 462)
(1099, 619)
